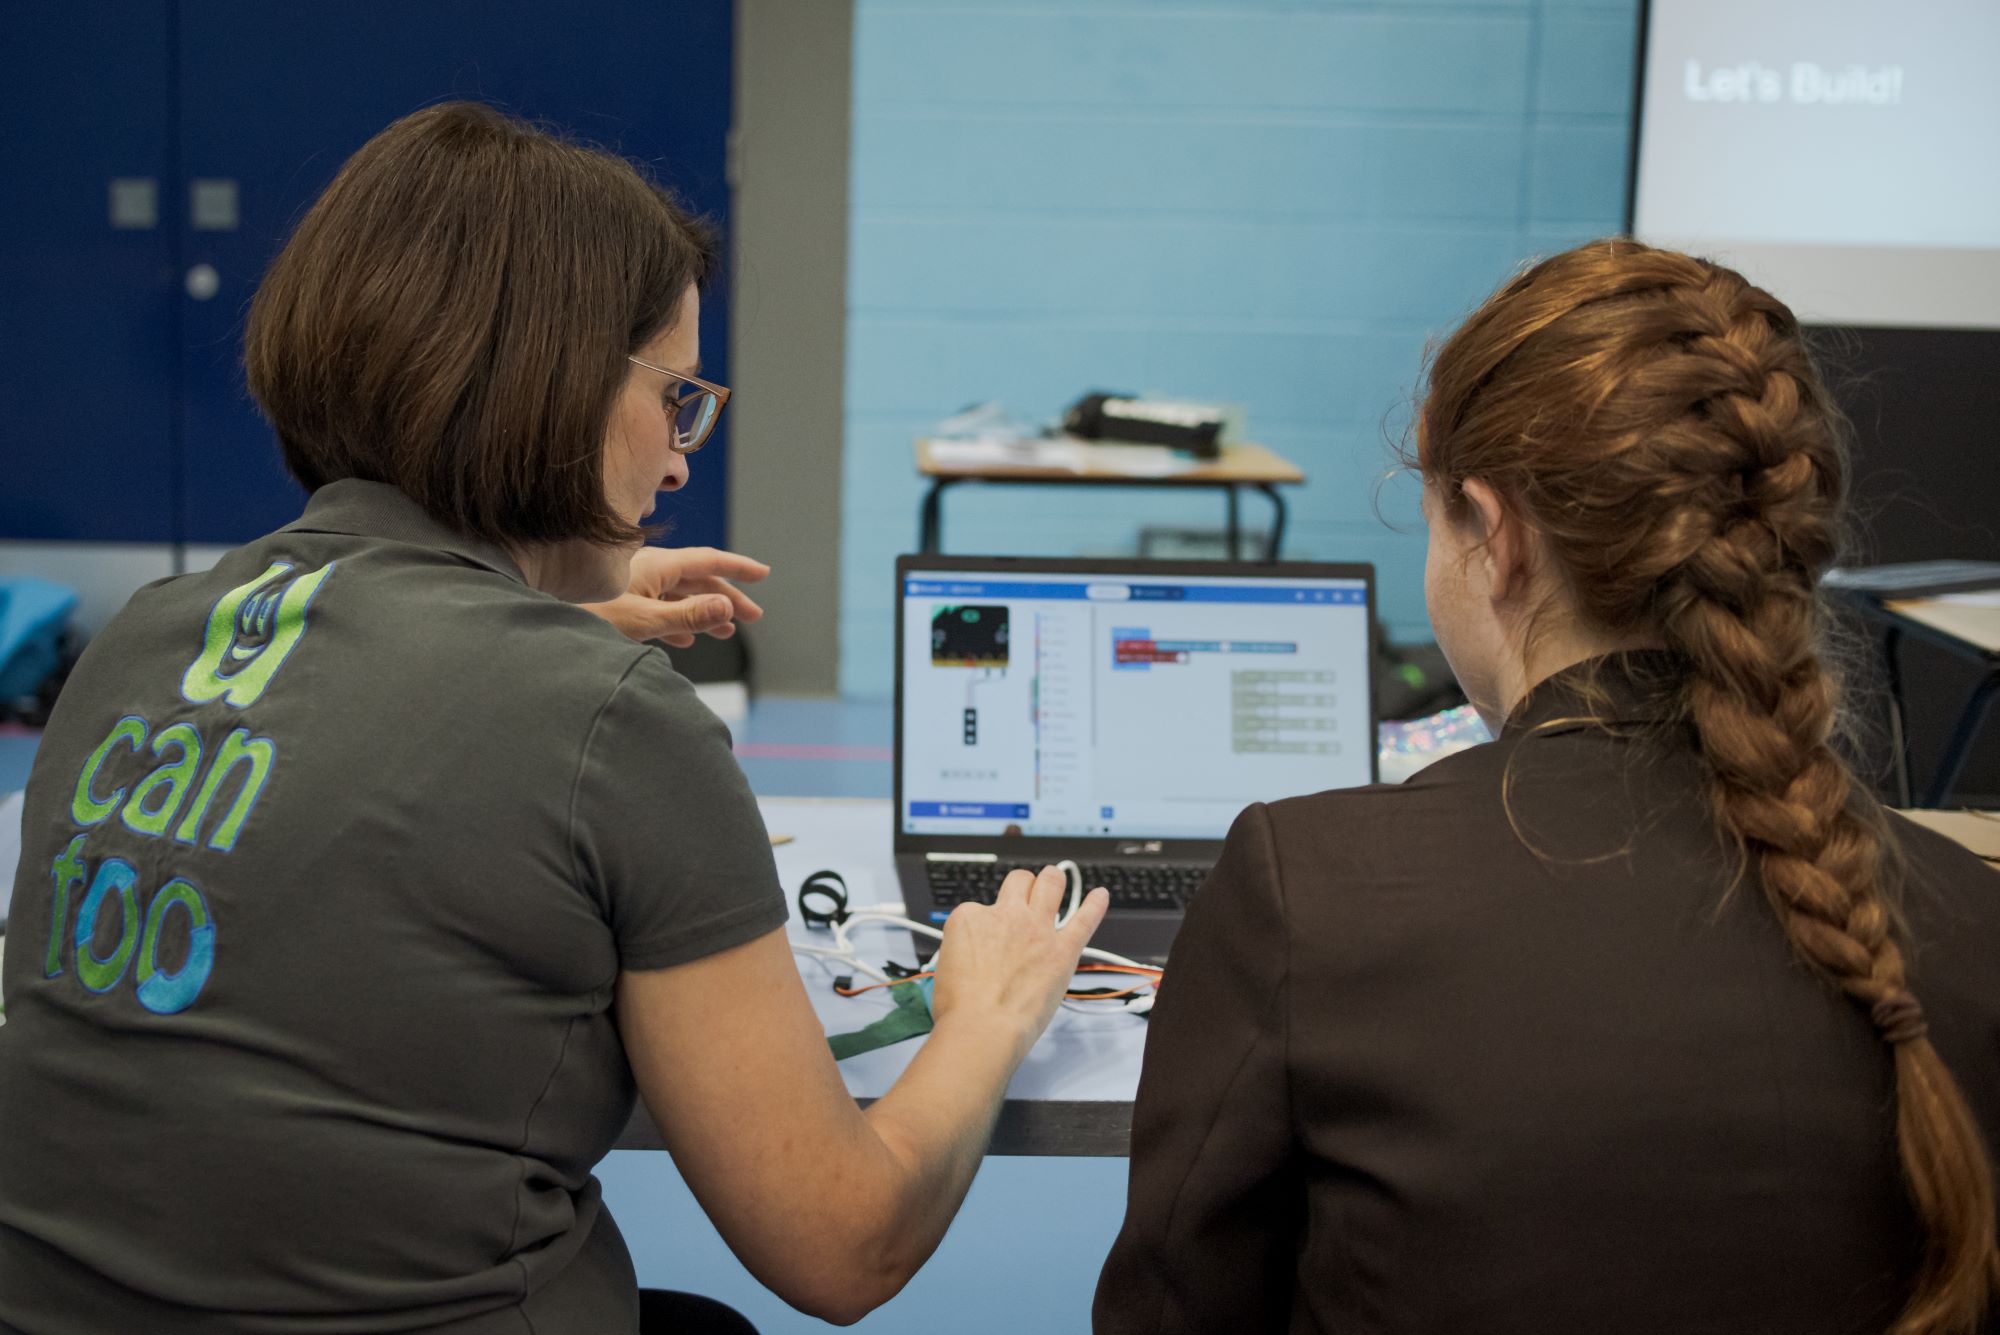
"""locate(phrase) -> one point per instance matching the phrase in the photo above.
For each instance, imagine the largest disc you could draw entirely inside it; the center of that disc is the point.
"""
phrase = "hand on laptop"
(677, 593)
(1008, 961)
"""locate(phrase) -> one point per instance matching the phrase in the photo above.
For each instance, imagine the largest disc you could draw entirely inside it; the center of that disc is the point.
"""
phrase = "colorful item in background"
(34, 620)
(910, 1019)
(1409, 746)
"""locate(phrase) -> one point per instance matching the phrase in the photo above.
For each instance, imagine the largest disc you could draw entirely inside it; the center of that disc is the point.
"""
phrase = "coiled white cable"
(842, 950)
(1138, 1005)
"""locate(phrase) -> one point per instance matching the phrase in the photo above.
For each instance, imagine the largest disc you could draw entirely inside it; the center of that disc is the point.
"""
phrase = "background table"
(1073, 1094)
(1239, 466)
(1978, 831)
(1968, 630)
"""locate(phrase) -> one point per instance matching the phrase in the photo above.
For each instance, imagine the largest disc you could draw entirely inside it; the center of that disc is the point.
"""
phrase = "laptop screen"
(1125, 705)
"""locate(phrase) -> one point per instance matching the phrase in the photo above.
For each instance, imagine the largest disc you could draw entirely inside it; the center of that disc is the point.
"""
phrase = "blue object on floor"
(33, 616)
(17, 760)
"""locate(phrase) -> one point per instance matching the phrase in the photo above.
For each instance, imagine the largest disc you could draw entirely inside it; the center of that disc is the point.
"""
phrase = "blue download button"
(971, 810)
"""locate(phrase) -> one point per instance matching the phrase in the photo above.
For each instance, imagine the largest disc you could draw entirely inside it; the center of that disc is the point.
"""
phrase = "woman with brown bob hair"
(1644, 1017)
(376, 876)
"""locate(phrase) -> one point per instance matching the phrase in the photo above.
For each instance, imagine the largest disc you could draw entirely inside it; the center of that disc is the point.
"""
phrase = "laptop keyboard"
(1133, 885)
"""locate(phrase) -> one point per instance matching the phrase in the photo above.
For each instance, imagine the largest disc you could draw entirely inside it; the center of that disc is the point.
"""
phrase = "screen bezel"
(1053, 846)
(1632, 143)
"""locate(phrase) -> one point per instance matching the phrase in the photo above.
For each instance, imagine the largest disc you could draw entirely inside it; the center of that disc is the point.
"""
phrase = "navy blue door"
(277, 96)
(124, 341)
(87, 273)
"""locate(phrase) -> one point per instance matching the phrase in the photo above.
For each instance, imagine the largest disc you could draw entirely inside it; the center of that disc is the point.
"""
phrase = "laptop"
(1121, 713)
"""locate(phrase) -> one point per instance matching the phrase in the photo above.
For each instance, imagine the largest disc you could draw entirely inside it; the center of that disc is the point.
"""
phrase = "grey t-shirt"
(331, 859)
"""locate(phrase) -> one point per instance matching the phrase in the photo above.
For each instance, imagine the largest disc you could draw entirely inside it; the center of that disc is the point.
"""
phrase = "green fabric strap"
(910, 1019)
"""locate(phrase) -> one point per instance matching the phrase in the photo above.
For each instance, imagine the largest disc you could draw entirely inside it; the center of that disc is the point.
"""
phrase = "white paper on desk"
(1974, 598)
(1061, 453)
(1137, 460)
(1978, 624)
(993, 452)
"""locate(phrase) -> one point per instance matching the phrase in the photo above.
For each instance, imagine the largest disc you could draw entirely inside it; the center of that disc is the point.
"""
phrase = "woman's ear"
(1503, 543)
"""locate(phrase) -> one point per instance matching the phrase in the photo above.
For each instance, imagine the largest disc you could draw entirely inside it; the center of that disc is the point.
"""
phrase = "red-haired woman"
(1644, 1018)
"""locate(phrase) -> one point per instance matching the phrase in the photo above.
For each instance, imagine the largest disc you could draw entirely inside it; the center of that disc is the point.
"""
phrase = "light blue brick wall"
(1269, 202)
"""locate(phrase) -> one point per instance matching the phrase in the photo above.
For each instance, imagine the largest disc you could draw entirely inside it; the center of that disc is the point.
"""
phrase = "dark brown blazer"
(1502, 1050)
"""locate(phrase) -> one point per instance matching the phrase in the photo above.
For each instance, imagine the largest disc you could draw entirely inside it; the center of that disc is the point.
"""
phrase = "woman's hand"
(831, 1207)
(1008, 963)
(677, 593)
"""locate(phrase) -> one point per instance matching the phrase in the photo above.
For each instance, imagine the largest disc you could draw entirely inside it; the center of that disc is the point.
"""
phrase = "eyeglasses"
(695, 413)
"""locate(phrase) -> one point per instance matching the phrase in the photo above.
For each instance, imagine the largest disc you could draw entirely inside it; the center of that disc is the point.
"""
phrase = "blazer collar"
(378, 510)
(1640, 686)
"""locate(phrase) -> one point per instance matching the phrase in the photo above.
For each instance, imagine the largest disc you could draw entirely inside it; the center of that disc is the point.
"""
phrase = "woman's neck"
(576, 572)
(1554, 651)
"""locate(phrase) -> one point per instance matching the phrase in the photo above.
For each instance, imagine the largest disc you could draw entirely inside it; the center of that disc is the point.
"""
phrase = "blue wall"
(1271, 202)
(123, 413)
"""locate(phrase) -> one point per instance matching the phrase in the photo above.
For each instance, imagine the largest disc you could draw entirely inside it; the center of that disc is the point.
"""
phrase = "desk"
(1968, 630)
(1239, 466)
(1072, 1096)
(1977, 831)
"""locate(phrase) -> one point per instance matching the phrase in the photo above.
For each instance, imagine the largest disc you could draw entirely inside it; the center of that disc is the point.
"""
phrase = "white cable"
(891, 914)
(1074, 875)
(1138, 1005)
(838, 956)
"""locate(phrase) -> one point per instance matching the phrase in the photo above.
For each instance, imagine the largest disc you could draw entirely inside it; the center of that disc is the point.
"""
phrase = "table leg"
(930, 524)
(1956, 754)
(1278, 516)
(1235, 529)
(1899, 728)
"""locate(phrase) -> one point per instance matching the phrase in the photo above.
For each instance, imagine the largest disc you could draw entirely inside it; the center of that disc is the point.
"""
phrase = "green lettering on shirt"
(239, 748)
(85, 807)
(115, 877)
(251, 632)
(172, 993)
(68, 872)
(175, 778)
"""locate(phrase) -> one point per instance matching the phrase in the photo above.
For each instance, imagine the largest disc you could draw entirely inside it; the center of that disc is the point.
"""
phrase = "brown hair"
(1659, 422)
(453, 315)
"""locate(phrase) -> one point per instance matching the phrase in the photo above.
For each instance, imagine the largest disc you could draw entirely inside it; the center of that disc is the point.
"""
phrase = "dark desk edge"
(1078, 1128)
